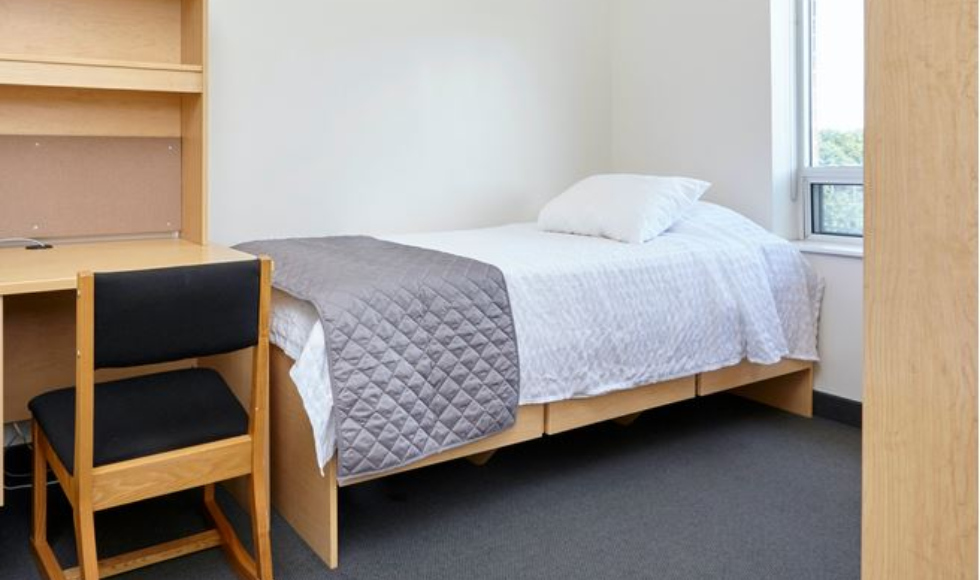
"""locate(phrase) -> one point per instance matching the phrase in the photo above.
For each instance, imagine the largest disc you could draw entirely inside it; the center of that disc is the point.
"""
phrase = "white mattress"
(594, 316)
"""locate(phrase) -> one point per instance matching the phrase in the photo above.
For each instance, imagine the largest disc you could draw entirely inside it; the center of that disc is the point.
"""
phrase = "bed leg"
(481, 459)
(627, 420)
(792, 393)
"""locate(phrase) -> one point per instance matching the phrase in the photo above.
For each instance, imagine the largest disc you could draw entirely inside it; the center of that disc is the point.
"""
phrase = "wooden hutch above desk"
(103, 139)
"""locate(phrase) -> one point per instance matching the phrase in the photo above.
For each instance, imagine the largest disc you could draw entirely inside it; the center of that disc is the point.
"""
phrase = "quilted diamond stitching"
(422, 349)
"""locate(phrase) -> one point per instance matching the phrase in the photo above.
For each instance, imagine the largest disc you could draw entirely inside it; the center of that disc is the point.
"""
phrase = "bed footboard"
(302, 495)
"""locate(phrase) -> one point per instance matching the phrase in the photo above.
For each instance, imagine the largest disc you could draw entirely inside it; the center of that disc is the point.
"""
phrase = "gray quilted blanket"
(421, 345)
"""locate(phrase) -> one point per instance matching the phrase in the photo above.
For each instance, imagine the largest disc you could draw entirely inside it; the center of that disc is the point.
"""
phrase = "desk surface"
(26, 271)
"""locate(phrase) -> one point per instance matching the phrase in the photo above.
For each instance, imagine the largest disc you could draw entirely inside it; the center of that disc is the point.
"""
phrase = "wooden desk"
(37, 310)
(27, 271)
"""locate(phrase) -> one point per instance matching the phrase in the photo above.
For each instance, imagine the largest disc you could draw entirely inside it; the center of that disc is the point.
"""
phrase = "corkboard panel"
(127, 30)
(55, 187)
(83, 112)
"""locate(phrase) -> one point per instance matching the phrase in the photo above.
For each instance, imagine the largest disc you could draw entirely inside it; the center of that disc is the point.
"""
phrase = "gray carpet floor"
(712, 488)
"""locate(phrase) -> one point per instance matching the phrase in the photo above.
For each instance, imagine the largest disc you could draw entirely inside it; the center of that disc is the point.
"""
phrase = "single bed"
(605, 330)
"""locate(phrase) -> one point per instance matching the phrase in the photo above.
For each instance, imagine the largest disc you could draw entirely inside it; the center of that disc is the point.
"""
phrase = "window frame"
(807, 174)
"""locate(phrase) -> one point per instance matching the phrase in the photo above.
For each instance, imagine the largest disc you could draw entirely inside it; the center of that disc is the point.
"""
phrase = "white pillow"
(628, 208)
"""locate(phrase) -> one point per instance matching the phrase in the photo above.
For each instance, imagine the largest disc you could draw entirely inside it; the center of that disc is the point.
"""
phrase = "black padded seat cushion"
(144, 415)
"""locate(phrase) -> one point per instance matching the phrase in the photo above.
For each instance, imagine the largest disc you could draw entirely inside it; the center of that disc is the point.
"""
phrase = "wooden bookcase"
(109, 71)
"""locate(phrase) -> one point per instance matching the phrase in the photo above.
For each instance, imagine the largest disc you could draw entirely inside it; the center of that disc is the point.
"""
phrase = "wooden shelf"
(29, 70)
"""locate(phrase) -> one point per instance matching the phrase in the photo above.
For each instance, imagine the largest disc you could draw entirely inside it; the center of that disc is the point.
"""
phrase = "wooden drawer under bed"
(307, 498)
(574, 413)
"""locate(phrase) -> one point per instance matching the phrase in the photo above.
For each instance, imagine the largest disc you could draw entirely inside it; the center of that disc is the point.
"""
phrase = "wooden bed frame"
(308, 500)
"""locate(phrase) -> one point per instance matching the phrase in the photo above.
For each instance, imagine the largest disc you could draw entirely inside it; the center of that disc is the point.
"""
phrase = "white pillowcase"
(628, 208)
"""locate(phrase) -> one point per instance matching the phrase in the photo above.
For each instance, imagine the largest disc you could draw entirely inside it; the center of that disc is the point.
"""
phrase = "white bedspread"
(594, 316)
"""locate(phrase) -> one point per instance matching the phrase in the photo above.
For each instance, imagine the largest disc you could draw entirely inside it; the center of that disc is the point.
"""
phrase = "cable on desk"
(34, 244)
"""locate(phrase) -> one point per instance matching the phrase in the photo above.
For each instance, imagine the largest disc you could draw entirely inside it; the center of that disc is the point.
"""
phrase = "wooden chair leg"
(261, 526)
(88, 559)
(39, 515)
(237, 555)
(46, 559)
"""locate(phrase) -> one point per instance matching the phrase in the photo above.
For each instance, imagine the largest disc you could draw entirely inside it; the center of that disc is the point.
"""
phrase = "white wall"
(692, 96)
(406, 115)
(391, 115)
(841, 326)
(704, 88)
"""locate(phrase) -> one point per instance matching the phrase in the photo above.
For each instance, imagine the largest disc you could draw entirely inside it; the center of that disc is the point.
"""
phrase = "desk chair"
(123, 441)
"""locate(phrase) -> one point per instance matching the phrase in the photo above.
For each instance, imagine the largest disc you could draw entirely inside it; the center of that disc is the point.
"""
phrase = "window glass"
(834, 119)
(837, 83)
(838, 209)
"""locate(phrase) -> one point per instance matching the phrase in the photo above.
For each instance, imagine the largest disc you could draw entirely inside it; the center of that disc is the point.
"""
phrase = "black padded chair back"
(154, 316)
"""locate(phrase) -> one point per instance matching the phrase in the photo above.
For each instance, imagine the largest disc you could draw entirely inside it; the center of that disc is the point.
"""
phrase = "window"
(832, 118)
